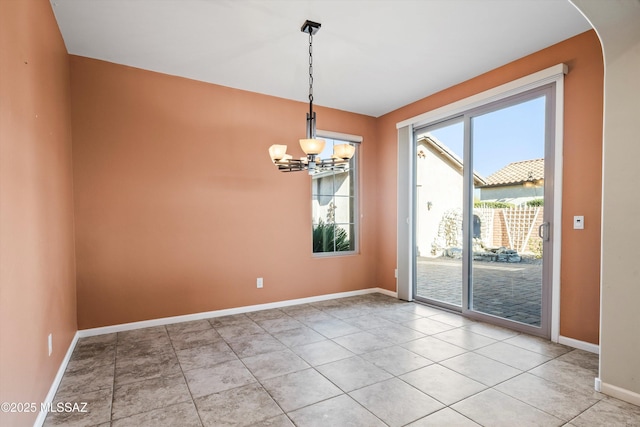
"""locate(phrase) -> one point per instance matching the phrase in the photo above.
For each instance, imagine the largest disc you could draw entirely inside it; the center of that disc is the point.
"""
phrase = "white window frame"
(356, 140)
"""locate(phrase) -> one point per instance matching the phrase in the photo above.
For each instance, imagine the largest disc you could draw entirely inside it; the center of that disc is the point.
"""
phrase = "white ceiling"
(370, 57)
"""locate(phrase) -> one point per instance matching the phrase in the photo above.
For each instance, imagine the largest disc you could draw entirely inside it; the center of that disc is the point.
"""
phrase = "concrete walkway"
(510, 291)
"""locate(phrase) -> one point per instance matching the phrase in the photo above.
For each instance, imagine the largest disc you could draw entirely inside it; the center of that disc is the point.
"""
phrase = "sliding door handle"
(543, 231)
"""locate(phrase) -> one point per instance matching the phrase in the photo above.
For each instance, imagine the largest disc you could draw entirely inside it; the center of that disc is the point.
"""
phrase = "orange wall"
(582, 172)
(178, 207)
(178, 212)
(37, 271)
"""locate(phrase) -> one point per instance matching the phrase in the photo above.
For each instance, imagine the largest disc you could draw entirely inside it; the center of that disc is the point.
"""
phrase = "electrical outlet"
(50, 343)
(259, 282)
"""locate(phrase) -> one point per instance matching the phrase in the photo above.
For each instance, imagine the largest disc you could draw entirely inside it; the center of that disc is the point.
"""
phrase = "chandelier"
(311, 145)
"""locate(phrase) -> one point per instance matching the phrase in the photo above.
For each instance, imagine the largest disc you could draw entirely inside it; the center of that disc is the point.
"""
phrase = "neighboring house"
(439, 174)
(331, 197)
(439, 201)
(516, 183)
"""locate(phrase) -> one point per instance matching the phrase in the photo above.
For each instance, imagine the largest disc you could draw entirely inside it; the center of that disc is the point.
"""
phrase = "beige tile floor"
(362, 361)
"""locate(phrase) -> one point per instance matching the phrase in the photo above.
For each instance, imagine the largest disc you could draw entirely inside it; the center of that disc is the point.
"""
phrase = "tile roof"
(517, 172)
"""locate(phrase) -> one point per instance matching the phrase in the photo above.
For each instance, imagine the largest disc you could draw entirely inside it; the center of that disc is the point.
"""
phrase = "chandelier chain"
(310, 66)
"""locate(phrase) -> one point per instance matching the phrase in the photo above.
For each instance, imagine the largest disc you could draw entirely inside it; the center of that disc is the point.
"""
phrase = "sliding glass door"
(483, 192)
(439, 197)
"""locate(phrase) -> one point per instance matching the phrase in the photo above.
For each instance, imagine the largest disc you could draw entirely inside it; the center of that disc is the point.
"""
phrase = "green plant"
(535, 202)
(328, 237)
(494, 205)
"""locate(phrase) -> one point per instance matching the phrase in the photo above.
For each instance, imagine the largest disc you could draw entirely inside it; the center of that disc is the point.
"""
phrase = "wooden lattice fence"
(520, 221)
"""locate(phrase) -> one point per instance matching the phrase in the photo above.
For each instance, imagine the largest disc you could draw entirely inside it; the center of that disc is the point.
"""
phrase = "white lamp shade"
(344, 151)
(277, 152)
(312, 146)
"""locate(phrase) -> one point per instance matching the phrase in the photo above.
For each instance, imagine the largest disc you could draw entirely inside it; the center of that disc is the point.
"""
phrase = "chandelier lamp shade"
(311, 145)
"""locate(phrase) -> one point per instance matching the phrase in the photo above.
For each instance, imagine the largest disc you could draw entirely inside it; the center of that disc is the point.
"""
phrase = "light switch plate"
(578, 222)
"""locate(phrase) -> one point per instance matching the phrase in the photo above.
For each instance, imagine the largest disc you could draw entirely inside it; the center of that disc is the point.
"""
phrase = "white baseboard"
(582, 345)
(620, 393)
(186, 318)
(226, 312)
(56, 381)
(386, 292)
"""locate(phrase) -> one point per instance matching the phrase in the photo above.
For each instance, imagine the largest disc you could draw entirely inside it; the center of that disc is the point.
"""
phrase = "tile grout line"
(582, 412)
(146, 379)
(368, 310)
(344, 393)
(184, 377)
(544, 379)
(113, 387)
(251, 373)
(257, 380)
(347, 393)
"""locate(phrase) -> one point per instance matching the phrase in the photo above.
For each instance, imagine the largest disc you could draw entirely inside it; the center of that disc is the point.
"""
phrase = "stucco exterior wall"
(439, 189)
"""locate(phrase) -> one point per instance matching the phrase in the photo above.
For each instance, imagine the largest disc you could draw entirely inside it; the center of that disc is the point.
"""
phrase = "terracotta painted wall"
(582, 173)
(178, 207)
(37, 270)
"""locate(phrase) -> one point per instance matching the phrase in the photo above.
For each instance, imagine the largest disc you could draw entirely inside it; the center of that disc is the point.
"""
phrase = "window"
(334, 205)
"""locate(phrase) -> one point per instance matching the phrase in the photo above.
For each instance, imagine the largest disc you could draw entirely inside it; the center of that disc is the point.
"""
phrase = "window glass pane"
(341, 185)
(323, 209)
(323, 240)
(341, 209)
(342, 240)
(352, 236)
(439, 189)
(352, 179)
(319, 211)
(324, 184)
(508, 211)
(334, 206)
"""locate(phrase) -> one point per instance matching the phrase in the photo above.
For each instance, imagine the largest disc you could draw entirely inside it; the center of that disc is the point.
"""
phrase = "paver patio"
(511, 291)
